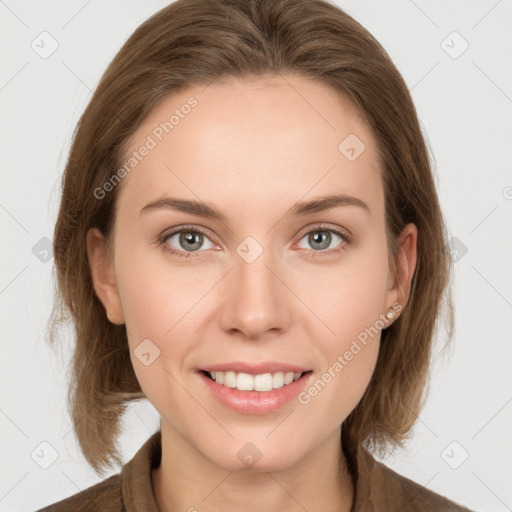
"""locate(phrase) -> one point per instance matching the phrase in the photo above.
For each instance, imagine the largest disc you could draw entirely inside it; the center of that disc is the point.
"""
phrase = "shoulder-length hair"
(194, 42)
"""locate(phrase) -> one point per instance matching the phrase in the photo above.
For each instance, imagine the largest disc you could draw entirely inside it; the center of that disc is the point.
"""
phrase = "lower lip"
(255, 402)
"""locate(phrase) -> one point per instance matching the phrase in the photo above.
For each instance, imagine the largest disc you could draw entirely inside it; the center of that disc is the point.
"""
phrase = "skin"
(253, 149)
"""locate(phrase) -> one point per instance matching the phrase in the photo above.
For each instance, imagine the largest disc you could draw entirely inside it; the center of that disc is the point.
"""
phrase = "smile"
(261, 382)
(258, 393)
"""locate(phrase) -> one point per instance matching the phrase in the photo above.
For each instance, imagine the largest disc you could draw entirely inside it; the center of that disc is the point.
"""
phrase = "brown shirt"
(377, 489)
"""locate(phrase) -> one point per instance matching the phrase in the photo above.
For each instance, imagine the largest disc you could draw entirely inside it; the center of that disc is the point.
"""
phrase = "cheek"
(349, 350)
(350, 296)
(350, 302)
(157, 295)
(158, 304)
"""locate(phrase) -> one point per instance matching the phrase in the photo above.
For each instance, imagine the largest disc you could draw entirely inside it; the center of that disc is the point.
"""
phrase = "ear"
(405, 263)
(103, 276)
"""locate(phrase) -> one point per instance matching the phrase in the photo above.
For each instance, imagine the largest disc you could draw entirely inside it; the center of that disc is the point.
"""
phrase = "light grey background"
(465, 106)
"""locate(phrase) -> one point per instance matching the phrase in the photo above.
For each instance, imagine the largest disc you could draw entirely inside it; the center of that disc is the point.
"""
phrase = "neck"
(187, 480)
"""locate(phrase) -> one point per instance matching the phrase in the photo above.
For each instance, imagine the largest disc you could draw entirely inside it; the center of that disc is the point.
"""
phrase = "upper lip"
(255, 369)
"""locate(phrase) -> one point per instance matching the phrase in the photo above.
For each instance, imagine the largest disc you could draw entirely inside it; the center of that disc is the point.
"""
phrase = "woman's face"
(267, 285)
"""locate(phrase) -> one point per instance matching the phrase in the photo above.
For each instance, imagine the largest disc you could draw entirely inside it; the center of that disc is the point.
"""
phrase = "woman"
(250, 237)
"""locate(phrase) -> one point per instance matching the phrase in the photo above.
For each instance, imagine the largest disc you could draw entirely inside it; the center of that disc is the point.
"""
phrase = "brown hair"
(194, 42)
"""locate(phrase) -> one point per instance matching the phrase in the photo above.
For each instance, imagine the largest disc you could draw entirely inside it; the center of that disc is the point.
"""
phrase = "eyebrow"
(298, 209)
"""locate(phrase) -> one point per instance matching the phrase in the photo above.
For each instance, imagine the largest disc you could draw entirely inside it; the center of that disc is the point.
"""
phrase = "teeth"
(247, 382)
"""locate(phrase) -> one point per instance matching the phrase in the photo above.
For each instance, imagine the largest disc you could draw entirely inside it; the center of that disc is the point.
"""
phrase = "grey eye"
(188, 240)
(320, 239)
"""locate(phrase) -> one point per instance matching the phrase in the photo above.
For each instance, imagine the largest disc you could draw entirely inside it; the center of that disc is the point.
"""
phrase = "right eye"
(190, 240)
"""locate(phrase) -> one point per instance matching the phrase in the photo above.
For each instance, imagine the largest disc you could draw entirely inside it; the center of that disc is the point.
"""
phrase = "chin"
(254, 457)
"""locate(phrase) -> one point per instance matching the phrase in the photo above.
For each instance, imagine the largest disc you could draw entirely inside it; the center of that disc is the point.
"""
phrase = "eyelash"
(344, 235)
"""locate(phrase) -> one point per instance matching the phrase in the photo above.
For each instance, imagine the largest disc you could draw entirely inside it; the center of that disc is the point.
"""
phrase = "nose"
(256, 302)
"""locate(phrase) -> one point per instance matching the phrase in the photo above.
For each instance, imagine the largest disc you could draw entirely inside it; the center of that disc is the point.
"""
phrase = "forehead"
(252, 143)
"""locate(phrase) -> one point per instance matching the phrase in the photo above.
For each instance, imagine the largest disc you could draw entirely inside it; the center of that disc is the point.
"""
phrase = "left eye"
(321, 239)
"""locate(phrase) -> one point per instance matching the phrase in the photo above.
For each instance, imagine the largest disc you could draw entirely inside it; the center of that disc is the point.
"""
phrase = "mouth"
(254, 393)
(263, 382)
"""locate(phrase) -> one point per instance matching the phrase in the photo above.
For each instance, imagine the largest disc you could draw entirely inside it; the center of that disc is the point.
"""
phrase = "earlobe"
(103, 276)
